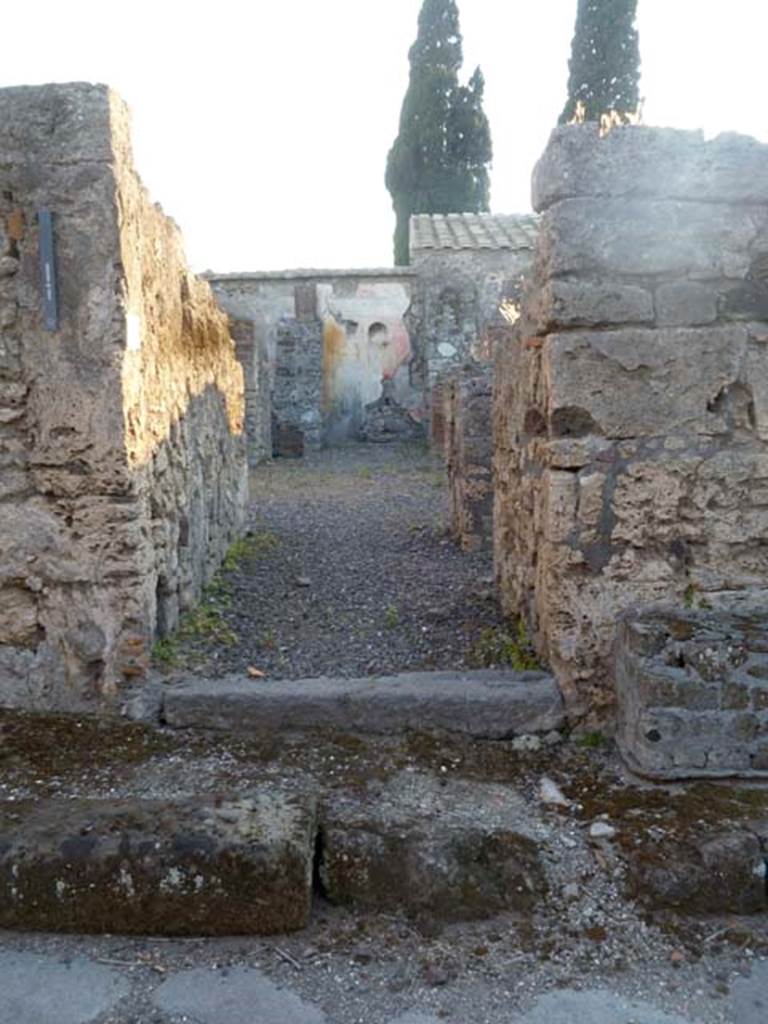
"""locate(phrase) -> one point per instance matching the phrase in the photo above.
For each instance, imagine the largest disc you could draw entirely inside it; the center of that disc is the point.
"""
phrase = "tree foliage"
(439, 160)
(605, 62)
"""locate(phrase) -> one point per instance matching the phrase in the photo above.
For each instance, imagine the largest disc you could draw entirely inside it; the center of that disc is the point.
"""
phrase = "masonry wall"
(369, 335)
(461, 295)
(468, 450)
(631, 411)
(121, 432)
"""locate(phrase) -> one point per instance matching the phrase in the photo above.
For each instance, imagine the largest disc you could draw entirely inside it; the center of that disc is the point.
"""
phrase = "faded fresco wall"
(367, 339)
(631, 411)
(121, 431)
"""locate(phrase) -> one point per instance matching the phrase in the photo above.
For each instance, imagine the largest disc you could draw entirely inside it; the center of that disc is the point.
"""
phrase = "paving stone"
(43, 990)
(485, 703)
(596, 1007)
(240, 995)
(415, 1017)
(203, 866)
(749, 996)
(452, 849)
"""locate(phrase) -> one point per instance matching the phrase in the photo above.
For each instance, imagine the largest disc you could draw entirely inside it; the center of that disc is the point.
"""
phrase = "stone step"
(487, 704)
(454, 850)
(154, 867)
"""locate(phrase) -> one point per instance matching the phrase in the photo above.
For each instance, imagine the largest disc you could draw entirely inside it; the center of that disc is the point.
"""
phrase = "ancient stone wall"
(631, 412)
(297, 400)
(468, 448)
(252, 355)
(121, 426)
(369, 329)
(462, 292)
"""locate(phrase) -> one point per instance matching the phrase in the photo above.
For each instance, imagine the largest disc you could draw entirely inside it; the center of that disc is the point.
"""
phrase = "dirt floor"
(347, 570)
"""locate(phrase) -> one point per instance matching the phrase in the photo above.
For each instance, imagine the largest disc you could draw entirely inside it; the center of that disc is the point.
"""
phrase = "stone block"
(685, 304)
(719, 874)
(153, 867)
(612, 237)
(457, 852)
(484, 703)
(565, 304)
(686, 698)
(640, 383)
(639, 161)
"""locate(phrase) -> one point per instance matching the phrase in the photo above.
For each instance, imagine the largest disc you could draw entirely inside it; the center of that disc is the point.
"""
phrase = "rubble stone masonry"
(631, 404)
(122, 472)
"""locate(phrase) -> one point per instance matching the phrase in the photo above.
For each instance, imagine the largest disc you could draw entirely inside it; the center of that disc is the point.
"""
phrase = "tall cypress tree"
(605, 61)
(439, 160)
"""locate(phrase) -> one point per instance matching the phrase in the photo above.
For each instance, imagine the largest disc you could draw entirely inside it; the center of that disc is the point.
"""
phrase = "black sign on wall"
(48, 270)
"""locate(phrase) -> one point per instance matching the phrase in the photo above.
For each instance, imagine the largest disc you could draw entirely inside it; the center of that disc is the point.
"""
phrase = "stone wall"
(468, 449)
(462, 292)
(631, 412)
(121, 428)
(297, 400)
(368, 325)
(692, 687)
(252, 356)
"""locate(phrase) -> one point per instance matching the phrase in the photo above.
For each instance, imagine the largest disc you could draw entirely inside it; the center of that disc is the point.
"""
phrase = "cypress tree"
(605, 62)
(439, 160)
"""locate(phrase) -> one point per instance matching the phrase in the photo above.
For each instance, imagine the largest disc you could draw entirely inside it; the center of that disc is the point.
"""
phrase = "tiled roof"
(473, 231)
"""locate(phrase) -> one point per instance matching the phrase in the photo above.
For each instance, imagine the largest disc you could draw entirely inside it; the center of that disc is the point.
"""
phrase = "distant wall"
(121, 431)
(461, 295)
(367, 339)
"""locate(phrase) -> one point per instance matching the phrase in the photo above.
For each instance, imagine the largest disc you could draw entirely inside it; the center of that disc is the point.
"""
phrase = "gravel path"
(348, 571)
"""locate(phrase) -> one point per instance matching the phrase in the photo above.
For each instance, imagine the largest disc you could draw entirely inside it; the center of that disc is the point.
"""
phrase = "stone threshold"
(485, 704)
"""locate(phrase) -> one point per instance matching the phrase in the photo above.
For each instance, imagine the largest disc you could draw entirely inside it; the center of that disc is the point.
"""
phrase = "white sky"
(263, 127)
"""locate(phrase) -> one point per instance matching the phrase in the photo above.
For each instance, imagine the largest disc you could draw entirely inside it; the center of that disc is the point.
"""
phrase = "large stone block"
(645, 162)
(462, 851)
(692, 690)
(641, 383)
(211, 867)
(612, 237)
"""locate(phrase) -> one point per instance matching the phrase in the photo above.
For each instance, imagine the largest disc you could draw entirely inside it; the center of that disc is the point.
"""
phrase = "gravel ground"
(347, 571)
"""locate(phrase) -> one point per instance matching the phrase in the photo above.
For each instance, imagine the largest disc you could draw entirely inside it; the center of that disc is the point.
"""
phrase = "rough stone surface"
(42, 990)
(749, 996)
(719, 874)
(418, 845)
(297, 400)
(640, 162)
(121, 447)
(692, 688)
(462, 293)
(468, 442)
(630, 411)
(487, 703)
(598, 1006)
(240, 995)
(252, 354)
(213, 866)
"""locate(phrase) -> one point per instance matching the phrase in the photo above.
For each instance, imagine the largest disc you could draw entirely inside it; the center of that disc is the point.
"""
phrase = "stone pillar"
(122, 471)
(631, 410)
(469, 454)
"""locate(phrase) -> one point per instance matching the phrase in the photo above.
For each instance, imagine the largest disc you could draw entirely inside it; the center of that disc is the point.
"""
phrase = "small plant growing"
(165, 651)
(391, 617)
(591, 740)
(499, 647)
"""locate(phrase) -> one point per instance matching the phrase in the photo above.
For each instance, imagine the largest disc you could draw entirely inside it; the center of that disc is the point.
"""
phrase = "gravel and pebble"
(347, 571)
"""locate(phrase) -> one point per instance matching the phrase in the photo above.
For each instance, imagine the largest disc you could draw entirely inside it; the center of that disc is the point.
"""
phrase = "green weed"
(391, 617)
(498, 647)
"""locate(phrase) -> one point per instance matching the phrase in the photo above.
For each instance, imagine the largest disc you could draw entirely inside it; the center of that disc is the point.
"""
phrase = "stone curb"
(486, 704)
